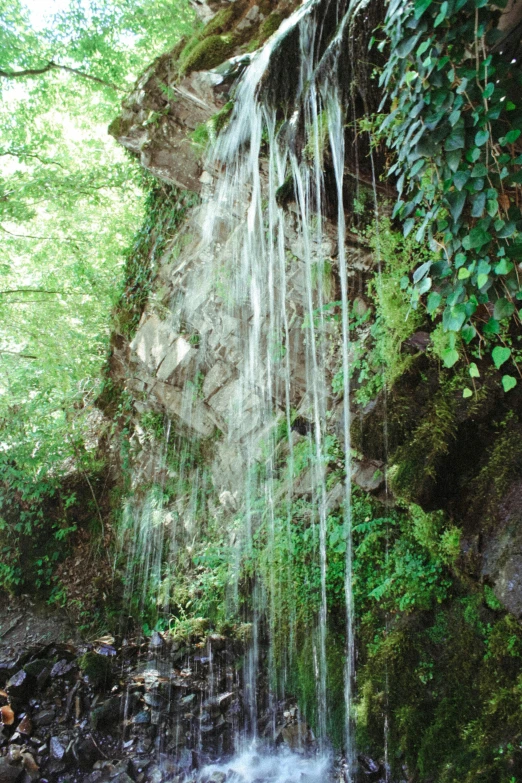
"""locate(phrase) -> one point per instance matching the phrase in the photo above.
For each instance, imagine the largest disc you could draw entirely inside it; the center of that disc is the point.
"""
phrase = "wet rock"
(56, 749)
(122, 777)
(9, 773)
(62, 668)
(44, 718)
(107, 714)
(141, 718)
(19, 687)
(296, 736)
(25, 726)
(31, 767)
(156, 641)
(14, 754)
(154, 700)
(368, 474)
(36, 667)
(96, 668)
(86, 751)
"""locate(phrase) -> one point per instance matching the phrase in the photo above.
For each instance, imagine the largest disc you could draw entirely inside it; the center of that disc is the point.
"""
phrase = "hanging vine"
(454, 126)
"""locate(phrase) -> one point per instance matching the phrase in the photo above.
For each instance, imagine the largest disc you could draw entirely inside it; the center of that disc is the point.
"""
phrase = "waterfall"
(272, 233)
(255, 141)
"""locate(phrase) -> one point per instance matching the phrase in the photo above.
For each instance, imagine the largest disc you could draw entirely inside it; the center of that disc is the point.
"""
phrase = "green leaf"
(510, 137)
(492, 327)
(460, 178)
(488, 92)
(476, 238)
(450, 357)
(420, 6)
(481, 137)
(453, 317)
(503, 267)
(434, 300)
(467, 393)
(468, 333)
(508, 382)
(503, 309)
(500, 354)
(464, 273)
(473, 370)
(479, 202)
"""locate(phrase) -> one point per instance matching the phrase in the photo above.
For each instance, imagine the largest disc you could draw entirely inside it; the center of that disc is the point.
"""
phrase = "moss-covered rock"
(97, 669)
(209, 53)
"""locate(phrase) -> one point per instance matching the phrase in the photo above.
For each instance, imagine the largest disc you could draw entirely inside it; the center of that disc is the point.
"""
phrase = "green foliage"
(454, 127)
(377, 339)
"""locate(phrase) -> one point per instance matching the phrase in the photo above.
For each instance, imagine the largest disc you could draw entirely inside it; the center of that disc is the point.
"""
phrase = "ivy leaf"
(467, 393)
(476, 238)
(460, 178)
(503, 309)
(510, 137)
(464, 273)
(479, 202)
(453, 318)
(456, 140)
(421, 271)
(503, 267)
(456, 203)
(434, 300)
(420, 7)
(508, 382)
(481, 137)
(507, 230)
(468, 333)
(408, 226)
(500, 354)
(473, 370)
(492, 327)
(450, 357)
(488, 92)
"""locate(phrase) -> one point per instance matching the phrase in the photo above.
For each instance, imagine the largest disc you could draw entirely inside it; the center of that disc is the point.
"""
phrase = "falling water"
(253, 158)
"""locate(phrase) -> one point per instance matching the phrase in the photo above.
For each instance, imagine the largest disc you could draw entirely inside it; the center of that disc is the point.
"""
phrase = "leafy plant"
(454, 127)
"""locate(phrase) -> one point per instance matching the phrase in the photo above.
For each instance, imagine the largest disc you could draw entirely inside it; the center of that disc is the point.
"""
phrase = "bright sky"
(42, 10)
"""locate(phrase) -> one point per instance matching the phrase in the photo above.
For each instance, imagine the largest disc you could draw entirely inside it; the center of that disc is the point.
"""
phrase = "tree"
(70, 202)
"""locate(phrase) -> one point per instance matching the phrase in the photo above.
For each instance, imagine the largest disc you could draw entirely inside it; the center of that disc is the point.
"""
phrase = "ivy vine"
(454, 126)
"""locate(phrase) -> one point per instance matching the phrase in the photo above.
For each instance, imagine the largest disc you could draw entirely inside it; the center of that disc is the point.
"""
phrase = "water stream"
(259, 153)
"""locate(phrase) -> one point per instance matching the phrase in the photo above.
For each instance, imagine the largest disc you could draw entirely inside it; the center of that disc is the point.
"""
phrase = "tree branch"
(32, 291)
(56, 66)
(22, 355)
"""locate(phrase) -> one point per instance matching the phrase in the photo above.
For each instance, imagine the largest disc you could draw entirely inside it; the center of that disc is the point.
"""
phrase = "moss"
(209, 53)
(97, 668)
(416, 462)
(504, 465)
(270, 25)
(221, 22)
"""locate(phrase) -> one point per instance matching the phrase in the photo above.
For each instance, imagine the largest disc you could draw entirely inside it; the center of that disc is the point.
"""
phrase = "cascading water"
(260, 263)
(283, 265)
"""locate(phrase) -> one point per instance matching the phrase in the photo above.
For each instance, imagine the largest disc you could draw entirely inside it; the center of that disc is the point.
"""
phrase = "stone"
(9, 773)
(107, 714)
(56, 749)
(19, 687)
(31, 767)
(368, 474)
(44, 717)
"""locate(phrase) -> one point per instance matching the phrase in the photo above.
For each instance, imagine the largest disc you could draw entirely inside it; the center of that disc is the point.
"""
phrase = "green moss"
(209, 53)
(270, 25)
(221, 22)
(97, 668)
(503, 466)
(416, 462)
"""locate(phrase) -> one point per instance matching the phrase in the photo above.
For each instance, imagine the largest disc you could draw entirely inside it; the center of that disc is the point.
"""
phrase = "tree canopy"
(70, 202)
